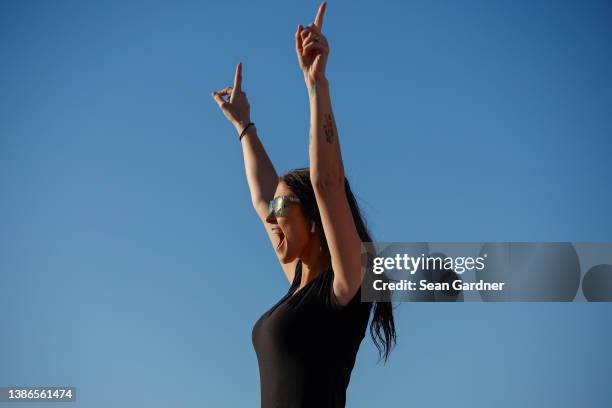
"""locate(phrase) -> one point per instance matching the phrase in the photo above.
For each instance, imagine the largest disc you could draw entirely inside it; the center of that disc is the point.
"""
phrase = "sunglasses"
(278, 205)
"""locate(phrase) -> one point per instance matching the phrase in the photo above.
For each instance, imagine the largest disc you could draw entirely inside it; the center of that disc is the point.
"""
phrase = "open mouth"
(282, 240)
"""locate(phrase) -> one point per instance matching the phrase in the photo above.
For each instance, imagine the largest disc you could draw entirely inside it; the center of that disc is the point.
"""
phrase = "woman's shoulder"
(332, 301)
(322, 288)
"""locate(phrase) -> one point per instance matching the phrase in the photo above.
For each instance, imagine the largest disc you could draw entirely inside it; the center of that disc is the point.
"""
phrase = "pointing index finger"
(238, 79)
(319, 19)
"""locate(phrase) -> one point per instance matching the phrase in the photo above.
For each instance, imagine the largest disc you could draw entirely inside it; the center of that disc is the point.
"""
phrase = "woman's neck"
(314, 261)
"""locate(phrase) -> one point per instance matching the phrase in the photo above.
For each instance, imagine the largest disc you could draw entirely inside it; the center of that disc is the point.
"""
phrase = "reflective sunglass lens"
(278, 206)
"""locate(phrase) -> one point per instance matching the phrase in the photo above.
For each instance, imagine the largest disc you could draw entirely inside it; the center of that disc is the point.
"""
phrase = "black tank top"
(306, 345)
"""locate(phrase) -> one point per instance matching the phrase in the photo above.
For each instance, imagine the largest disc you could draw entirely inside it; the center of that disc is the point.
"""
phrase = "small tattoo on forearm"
(328, 127)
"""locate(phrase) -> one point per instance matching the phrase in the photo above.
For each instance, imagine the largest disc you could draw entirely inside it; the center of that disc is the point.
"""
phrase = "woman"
(307, 342)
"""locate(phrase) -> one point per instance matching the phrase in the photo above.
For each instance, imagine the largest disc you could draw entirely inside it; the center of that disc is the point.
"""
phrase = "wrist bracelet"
(244, 130)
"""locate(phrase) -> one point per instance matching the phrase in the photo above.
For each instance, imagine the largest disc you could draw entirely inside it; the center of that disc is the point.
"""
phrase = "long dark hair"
(382, 326)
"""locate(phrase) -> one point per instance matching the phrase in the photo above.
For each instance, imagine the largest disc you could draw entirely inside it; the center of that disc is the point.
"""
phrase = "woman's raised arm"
(260, 173)
(326, 167)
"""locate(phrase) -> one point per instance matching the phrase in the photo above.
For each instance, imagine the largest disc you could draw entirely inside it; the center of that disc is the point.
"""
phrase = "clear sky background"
(133, 267)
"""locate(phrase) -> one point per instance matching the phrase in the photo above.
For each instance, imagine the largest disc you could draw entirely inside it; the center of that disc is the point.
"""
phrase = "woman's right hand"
(236, 109)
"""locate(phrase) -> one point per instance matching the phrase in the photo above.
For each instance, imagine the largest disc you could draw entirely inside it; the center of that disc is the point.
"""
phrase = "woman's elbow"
(327, 181)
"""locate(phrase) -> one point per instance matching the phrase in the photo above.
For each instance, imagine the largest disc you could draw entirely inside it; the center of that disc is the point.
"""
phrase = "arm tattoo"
(328, 127)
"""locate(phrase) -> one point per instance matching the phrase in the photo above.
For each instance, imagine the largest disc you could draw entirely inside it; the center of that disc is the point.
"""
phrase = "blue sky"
(133, 266)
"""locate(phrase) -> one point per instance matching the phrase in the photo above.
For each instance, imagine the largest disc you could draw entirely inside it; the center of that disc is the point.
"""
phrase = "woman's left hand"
(312, 49)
